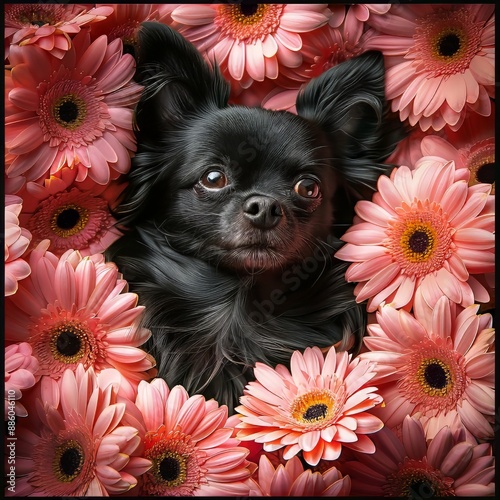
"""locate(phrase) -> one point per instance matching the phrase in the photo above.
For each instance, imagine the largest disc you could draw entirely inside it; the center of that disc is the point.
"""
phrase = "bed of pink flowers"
(412, 415)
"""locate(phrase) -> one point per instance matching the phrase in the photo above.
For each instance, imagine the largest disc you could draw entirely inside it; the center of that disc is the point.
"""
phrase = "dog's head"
(248, 188)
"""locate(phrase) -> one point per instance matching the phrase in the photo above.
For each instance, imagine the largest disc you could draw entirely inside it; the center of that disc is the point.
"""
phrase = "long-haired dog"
(232, 214)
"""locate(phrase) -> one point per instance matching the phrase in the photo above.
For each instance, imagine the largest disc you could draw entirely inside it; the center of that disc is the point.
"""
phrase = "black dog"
(231, 214)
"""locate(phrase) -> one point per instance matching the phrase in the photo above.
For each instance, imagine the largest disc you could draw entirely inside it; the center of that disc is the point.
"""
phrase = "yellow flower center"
(418, 242)
(68, 461)
(313, 407)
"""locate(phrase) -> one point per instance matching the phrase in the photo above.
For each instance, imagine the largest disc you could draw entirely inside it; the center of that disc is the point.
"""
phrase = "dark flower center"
(449, 45)
(170, 468)
(420, 489)
(419, 241)
(435, 376)
(249, 8)
(486, 173)
(68, 461)
(316, 412)
(68, 343)
(68, 218)
(69, 111)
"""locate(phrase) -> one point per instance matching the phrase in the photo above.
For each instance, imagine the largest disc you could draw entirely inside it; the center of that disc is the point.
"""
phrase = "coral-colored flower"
(423, 230)
(81, 448)
(434, 363)
(126, 19)
(74, 112)
(48, 26)
(72, 311)
(189, 442)
(440, 61)
(317, 407)
(20, 367)
(321, 50)
(250, 41)
(17, 240)
(412, 467)
(291, 480)
(72, 215)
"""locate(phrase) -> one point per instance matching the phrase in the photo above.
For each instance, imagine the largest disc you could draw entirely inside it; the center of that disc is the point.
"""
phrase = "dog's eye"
(214, 179)
(307, 188)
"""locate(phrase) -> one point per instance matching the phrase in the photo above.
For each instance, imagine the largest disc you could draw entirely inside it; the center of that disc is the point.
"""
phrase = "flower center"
(69, 111)
(434, 376)
(69, 342)
(420, 238)
(480, 160)
(34, 15)
(416, 479)
(446, 41)
(316, 406)
(175, 468)
(68, 461)
(248, 21)
(68, 220)
(171, 468)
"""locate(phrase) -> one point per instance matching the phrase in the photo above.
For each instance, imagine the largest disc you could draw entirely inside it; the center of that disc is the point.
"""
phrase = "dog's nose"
(263, 212)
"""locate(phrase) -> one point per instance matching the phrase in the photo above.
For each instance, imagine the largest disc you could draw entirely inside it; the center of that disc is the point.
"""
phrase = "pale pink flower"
(80, 447)
(250, 42)
(20, 367)
(414, 467)
(48, 26)
(74, 112)
(73, 310)
(291, 480)
(434, 362)
(17, 240)
(424, 229)
(190, 444)
(316, 407)
(72, 215)
(440, 61)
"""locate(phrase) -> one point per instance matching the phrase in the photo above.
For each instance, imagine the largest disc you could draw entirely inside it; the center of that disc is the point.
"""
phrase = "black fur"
(242, 270)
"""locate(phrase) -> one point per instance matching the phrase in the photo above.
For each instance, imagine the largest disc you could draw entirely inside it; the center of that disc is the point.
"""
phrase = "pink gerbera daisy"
(74, 112)
(79, 448)
(291, 480)
(317, 407)
(321, 50)
(72, 311)
(250, 41)
(20, 367)
(126, 19)
(189, 442)
(17, 240)
(413, 467)
(422, 230)
(48, 26)
(434, 363)
(72, 215)
(440, 61)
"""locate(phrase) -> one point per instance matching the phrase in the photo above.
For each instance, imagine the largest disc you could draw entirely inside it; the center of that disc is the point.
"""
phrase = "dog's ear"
(177, 81)
(348, 103)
